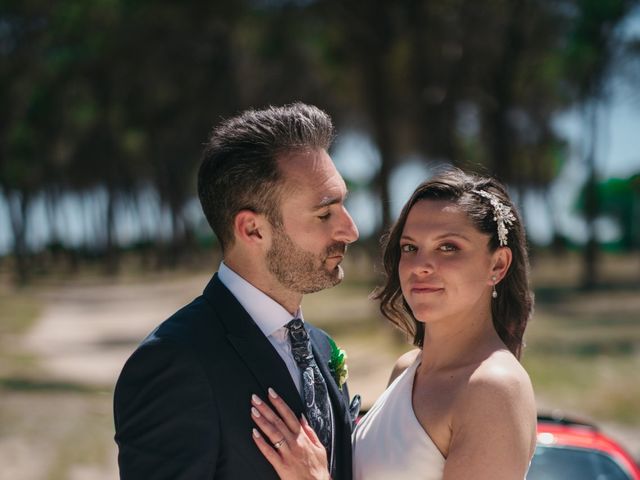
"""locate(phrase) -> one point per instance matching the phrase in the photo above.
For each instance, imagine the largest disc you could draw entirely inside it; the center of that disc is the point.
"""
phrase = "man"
(276, 203)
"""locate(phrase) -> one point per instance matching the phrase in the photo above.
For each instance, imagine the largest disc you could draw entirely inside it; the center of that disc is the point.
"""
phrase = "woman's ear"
(250, 228)
(501, 262)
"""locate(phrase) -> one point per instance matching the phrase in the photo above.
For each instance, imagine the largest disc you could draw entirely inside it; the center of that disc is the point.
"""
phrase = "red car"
(570, 450)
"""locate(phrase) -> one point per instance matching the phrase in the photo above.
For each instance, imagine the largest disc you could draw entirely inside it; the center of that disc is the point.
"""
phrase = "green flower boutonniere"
(338, 364)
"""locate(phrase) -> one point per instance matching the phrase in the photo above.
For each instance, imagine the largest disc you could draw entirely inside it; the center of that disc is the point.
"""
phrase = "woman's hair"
(513, 307)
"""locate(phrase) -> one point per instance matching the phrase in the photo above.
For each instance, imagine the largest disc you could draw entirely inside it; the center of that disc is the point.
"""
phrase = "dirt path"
(86, 333)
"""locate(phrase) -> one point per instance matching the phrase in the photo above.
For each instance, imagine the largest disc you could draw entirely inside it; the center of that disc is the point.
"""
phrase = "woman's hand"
(295, 451)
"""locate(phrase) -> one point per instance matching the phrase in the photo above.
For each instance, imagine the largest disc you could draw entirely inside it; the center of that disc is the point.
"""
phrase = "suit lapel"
(318, 344)
(253, 348)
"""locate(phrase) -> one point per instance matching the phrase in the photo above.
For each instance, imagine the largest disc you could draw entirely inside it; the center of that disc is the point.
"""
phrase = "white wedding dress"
(389, 442)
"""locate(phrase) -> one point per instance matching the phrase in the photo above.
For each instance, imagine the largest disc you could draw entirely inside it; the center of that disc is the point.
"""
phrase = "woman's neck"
(453, 343)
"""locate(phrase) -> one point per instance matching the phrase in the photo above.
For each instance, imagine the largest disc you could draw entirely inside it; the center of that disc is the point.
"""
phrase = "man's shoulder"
(187, 337)
(185, 324)
(318, 335)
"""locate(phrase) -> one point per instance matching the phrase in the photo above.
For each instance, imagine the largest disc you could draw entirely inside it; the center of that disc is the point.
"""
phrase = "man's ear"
(501, 262)
(250, 227)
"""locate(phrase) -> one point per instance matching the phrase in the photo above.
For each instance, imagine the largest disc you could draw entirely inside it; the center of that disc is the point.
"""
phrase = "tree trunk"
(18, 203)
(111, 249)
(591, 204)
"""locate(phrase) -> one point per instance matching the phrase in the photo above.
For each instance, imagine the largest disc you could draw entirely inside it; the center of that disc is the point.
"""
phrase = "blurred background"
(105, 106)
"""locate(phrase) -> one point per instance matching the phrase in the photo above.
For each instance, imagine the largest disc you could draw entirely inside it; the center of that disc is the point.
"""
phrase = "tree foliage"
(117, 96)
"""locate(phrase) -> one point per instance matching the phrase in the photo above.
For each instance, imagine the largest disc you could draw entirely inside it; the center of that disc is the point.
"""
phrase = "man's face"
(307, 249)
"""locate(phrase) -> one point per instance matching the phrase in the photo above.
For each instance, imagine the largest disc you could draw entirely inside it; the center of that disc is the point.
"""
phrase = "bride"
(460, 405)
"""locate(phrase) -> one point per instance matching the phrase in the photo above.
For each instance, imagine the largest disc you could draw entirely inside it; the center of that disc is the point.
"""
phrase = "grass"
(18, 312)
(56, 436)
(583, 355)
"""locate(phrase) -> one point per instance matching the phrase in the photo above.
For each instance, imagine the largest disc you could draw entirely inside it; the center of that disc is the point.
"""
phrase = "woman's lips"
(425, 289)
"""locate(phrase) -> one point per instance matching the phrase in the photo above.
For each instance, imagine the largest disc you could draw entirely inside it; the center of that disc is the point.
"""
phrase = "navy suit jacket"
(182, 402)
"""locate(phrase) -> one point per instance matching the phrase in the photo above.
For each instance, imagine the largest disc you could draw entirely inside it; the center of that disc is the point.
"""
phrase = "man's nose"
(348, 232)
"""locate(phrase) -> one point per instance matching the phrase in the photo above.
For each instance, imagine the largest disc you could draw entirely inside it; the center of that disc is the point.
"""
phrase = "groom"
(276, 203)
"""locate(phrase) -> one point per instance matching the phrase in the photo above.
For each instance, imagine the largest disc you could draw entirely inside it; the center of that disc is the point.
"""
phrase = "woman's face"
(445, 264)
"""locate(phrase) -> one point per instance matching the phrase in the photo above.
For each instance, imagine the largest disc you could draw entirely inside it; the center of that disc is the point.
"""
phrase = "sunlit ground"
(62, 344)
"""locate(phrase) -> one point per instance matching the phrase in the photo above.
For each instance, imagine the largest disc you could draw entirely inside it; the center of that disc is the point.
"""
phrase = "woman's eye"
(408, 248)
(448, 247)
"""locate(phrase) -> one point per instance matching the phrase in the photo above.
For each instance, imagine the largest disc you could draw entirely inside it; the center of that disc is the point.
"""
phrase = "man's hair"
(513, 307)
(239, 169)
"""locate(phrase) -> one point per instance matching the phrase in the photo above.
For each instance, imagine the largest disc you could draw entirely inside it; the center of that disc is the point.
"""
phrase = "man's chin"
(339, 274)
(330, 279)
(335, 276)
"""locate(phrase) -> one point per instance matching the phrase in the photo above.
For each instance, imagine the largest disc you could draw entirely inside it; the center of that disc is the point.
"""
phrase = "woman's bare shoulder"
(493, 421)
(404, 362)
(500, 383)
(501, 369)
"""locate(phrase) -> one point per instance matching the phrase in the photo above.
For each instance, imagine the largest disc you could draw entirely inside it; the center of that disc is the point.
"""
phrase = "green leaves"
(338, 364)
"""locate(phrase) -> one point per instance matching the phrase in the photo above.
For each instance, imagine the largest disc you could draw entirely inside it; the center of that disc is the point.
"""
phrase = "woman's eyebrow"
(439, 237)
(452, 234)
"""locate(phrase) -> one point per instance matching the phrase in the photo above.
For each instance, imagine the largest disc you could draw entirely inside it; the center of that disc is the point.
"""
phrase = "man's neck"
(264, 281)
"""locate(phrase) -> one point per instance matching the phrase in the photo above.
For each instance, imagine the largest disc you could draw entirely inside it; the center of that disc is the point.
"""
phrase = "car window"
(561, 463)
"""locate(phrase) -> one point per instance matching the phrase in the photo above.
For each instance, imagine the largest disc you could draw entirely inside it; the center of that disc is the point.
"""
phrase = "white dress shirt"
(270, 317)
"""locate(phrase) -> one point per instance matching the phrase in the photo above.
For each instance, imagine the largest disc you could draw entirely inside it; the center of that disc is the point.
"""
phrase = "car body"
(572, 450)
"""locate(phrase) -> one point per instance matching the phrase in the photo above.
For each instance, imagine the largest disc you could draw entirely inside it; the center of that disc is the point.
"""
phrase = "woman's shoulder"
(498, 383)
(500, 374)
(497, 404)
(404, 362)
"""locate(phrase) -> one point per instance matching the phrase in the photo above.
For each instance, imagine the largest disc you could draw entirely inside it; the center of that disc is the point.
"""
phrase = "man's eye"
(408, 248)
(448, 247)
(325, 216)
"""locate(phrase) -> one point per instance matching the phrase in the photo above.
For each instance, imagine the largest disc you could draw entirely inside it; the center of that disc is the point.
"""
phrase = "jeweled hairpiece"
(502, 215)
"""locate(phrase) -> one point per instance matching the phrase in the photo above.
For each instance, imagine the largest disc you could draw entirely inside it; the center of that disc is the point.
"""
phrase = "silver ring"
(277, 445)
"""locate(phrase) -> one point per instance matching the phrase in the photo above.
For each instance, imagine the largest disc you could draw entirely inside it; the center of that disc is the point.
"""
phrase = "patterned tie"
(314, 388)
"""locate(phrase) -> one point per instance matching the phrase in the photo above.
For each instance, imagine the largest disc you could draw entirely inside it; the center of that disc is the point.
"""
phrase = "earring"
(494, 294)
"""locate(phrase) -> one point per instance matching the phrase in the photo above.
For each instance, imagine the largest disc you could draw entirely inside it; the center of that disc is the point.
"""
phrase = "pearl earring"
(494, 293)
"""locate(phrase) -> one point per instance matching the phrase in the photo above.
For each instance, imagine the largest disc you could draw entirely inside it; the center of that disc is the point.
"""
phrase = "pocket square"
(354, 408)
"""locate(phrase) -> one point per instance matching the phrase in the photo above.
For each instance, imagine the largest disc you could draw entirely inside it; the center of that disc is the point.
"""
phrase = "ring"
(277, 445)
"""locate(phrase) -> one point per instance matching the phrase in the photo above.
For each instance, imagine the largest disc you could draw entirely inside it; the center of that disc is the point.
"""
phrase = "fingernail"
(255, 412)
(272, 393)
(256, 433)
(255, 399)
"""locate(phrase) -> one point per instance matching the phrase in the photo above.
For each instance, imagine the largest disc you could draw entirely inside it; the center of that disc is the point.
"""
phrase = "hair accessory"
(502, 215)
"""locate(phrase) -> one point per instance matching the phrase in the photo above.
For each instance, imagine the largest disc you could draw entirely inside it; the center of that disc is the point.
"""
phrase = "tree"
(593, 51)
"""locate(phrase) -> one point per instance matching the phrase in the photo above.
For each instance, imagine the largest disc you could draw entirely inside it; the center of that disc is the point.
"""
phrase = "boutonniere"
(338, 364)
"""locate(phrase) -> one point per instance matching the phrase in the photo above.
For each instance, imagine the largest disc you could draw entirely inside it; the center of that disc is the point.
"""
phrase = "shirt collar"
(268, 314)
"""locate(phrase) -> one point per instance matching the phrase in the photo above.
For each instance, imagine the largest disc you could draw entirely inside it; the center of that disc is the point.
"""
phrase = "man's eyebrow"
(327, 201)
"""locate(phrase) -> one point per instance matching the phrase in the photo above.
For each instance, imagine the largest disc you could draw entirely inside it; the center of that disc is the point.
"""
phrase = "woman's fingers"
(286, 414)
(274, 429)
(311, 433)
(295, 451)
(267, 450)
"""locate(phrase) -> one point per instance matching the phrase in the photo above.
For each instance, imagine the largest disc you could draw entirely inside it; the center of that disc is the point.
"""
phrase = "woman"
(461, 405)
